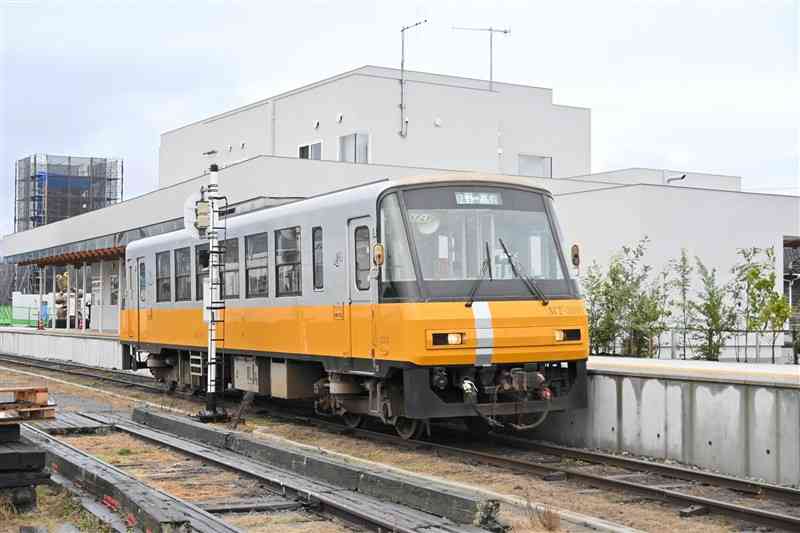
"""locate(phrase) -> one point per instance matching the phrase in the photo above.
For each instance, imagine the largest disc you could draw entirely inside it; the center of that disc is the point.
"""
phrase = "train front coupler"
(516, 382)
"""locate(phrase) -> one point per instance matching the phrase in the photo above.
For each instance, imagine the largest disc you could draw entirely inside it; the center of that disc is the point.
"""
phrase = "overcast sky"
(693, 85)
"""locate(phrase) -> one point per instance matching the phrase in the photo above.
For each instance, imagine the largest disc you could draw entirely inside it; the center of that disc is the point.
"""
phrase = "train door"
(359, 237)
(136, 279)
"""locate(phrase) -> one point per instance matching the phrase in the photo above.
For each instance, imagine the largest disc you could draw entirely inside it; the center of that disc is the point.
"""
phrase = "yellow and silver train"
(404, 300)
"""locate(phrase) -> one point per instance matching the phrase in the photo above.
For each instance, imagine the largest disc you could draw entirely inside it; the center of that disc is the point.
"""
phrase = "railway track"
(359, 511)
(763, 503)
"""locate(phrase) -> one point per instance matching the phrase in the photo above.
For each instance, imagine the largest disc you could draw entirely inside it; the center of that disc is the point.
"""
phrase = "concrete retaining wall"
(84, 348)
(742, 427)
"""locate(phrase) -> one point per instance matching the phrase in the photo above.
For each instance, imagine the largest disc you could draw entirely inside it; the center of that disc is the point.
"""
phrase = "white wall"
(259, 176)
(475, 122)
(710, 224)
(180, 155)
(652, 176)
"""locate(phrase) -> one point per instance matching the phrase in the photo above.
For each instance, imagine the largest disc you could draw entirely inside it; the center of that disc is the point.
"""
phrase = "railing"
(731, 346)
(18, 316)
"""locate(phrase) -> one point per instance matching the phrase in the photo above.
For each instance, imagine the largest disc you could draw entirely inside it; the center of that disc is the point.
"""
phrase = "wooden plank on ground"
(17, 456)
(21, 415)
(9, 433)
(10, 480)
(268, 504)
(69, 423)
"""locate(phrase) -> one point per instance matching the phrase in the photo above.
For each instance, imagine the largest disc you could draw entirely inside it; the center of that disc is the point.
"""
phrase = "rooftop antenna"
(403, 120)
(491, 31)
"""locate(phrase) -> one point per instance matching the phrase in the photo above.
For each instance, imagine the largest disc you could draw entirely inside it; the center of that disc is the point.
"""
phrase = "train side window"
(230, 268)
(201, 272)
(255, 265)
(183, 275)
(163, 277)
(316, 249)
(142, 281)
(288, 270)
(362, 257)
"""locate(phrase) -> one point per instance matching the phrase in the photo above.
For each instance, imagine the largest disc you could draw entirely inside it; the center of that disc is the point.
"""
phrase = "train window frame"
(180, 275)
(230, 267)
(317, 259)
(161, 276)
(293, 266)
(357, 263)
(248, 267)
(199, 272)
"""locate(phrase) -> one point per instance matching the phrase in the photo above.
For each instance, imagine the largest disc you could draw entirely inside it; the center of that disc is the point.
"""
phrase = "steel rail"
(316, 496)
(755, 488)
(749, 514)
(79, 465)
(85, 371)
(769, 518)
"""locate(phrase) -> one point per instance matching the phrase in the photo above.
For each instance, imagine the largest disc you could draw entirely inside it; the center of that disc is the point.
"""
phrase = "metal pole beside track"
(214, 302)
(213, 276)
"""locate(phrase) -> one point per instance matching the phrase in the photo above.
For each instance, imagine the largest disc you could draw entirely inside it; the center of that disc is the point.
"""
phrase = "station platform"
(88, 347)
(779, 375)
(740, 419)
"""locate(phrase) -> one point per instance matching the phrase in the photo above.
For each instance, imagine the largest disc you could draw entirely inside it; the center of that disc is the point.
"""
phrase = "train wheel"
(353, 420)
(407, 428)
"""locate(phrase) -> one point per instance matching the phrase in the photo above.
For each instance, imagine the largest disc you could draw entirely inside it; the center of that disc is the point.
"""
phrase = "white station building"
(349, 129)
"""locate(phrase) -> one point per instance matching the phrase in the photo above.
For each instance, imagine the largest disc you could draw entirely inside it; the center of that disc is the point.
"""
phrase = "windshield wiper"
(486, 266)
(527, 280)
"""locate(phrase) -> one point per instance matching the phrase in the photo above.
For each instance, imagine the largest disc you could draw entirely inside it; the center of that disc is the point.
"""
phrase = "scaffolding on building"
(50, 188)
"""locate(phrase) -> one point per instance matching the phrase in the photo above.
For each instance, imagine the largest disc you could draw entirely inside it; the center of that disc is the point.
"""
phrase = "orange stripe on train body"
(523, 331)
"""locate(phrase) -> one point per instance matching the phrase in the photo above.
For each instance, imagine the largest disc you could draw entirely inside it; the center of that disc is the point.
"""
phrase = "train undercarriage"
(515, 397)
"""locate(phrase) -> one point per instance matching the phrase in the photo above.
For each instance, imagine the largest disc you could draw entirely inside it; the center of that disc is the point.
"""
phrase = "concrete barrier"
(86, 348)
(459, 505)
(741, 420)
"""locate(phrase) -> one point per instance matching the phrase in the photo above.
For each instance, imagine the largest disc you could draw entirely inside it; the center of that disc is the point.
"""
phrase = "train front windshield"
(462, 234)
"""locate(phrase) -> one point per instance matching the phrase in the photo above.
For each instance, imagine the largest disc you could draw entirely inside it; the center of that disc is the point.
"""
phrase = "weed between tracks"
(536, 518)
(56, 507)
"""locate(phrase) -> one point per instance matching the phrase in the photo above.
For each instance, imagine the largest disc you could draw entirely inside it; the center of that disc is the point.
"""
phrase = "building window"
(183, 275)
(201, 272)
(113, 279)
(230, 268)
(316, 250)
(288, 269)
(310, 151)
(535, 166)
(354, 148)
(362, 257)
(163, 277)
(255, 265)
(142, 281)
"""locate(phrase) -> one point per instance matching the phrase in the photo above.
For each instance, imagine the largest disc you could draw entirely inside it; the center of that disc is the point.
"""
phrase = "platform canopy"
(76, 258)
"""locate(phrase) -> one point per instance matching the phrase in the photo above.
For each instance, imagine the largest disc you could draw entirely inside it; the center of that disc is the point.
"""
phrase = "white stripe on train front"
(484, 333)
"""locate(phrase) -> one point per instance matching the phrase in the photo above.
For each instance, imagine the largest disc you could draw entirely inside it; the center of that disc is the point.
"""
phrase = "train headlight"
(455, 338)
(567, 334)
(444, 339)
